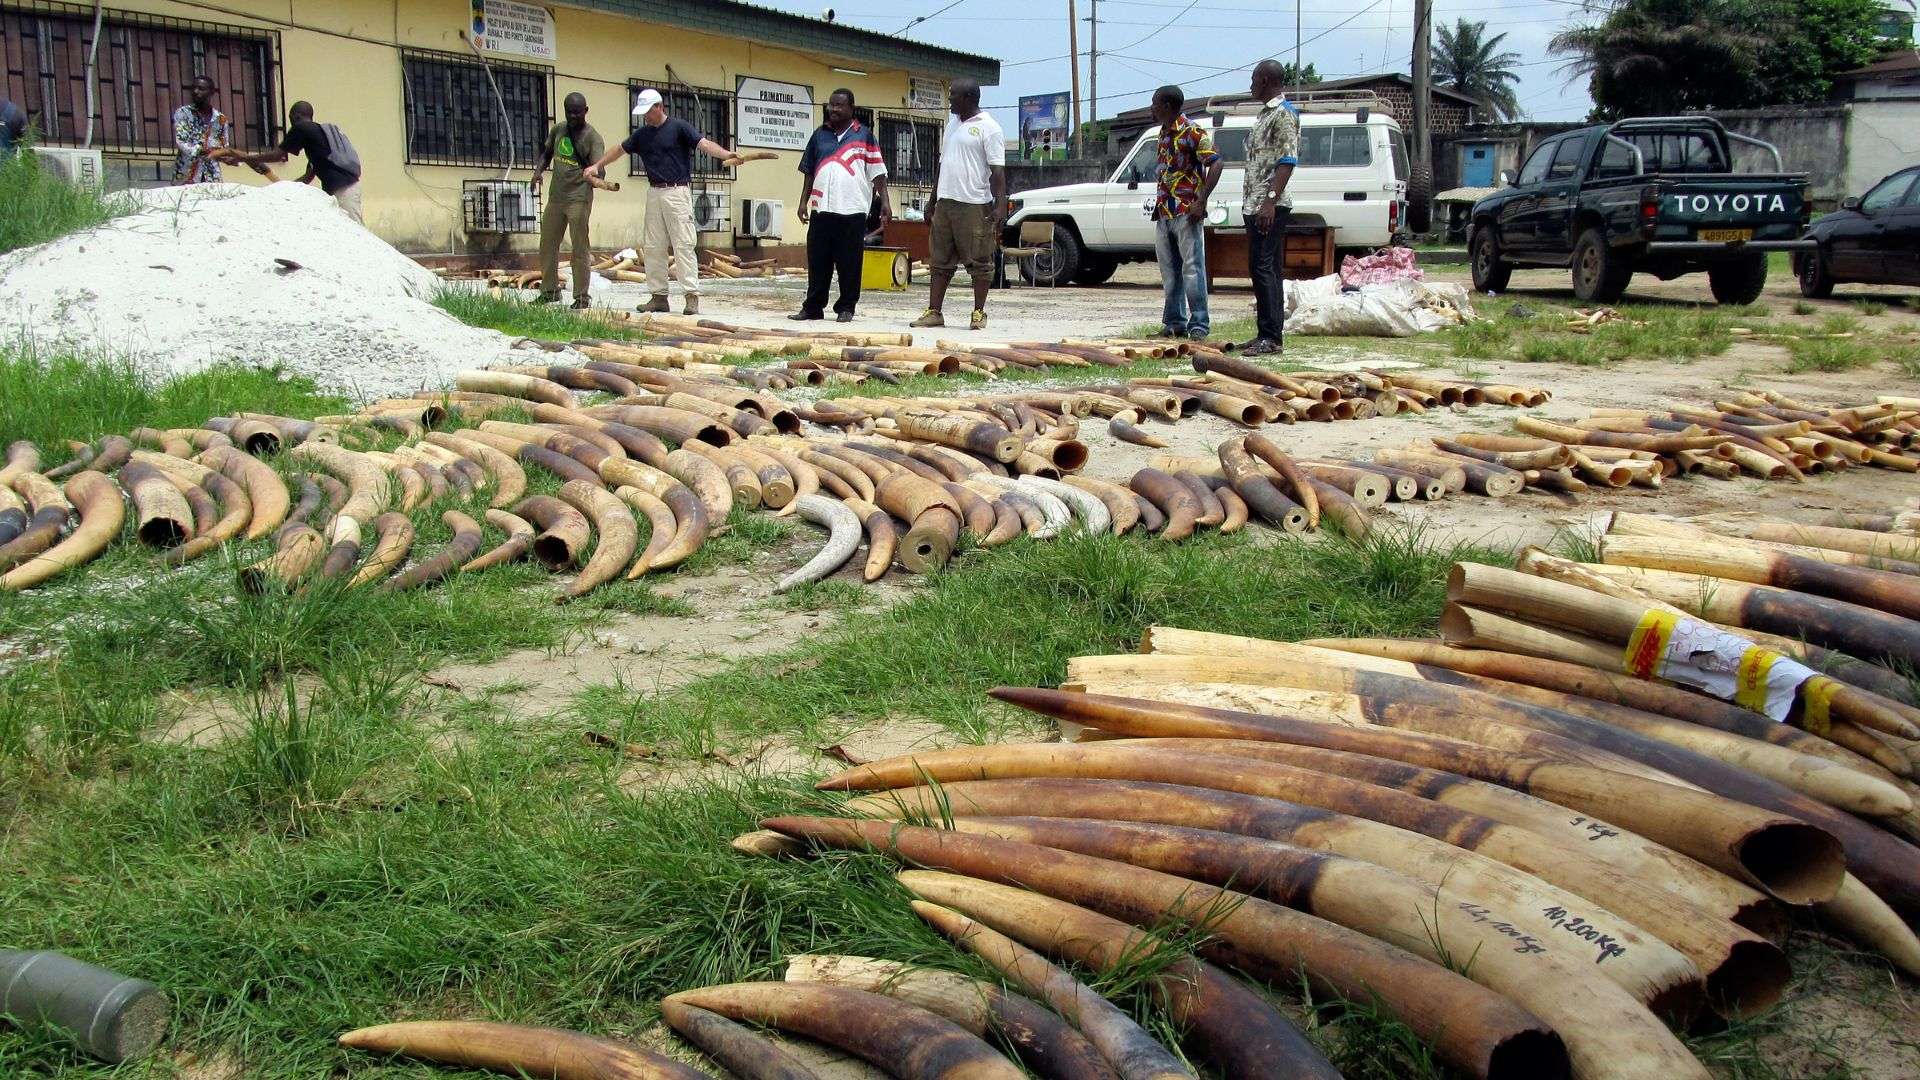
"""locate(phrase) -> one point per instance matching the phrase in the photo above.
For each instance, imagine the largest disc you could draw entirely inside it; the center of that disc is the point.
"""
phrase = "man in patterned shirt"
(1189, 169)
(1273, 149)
(200, 133)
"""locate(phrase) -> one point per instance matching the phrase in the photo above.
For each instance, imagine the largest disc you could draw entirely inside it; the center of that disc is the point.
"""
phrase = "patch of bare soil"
(1854, 1019)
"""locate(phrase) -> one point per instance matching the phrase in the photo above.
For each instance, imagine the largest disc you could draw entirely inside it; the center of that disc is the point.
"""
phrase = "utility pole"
(1093, 60)
(1073, 46)
(1298, 71)
(1420, 188)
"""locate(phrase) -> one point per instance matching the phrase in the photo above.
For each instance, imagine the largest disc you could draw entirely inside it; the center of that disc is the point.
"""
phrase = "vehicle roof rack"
(1318, 101)
(1666, 121)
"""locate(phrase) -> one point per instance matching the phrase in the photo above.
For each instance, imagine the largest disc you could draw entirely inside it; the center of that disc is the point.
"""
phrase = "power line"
(924, 18)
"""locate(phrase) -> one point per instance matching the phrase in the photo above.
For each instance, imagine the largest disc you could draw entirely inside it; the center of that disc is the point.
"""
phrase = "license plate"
(1725, 236)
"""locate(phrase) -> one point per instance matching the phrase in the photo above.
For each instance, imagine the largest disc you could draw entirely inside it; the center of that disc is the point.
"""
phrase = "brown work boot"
(931, 318)
(692, 306)
(658, 305)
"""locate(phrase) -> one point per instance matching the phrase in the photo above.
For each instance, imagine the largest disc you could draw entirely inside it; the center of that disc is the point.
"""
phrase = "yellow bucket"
(883, 269)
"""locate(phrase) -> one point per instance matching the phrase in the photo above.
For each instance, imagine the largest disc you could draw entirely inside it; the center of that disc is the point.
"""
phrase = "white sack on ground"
(1395, 309)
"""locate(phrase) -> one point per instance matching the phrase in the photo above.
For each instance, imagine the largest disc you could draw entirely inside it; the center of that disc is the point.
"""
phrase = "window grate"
(141, 75)
(911, 148)
(710, 111)
(453, 117)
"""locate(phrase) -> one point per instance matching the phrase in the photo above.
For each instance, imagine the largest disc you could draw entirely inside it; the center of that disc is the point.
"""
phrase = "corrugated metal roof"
(802, 33)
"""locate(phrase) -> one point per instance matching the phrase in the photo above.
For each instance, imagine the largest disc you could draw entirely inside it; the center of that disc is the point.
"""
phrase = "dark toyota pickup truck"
(1657, 195)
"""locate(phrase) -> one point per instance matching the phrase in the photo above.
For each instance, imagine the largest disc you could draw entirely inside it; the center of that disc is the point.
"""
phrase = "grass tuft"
(49, 397)
(1829, 354)
(510, 314)
(42, 207)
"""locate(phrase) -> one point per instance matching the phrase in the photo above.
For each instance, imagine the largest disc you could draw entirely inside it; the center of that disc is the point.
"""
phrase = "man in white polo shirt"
(970, 192)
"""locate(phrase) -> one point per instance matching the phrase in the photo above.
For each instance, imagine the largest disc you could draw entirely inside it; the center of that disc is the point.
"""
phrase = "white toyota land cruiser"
(1352, 176)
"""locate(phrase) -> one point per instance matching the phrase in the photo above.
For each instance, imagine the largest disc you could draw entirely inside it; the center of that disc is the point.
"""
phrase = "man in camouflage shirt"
(1273, 149)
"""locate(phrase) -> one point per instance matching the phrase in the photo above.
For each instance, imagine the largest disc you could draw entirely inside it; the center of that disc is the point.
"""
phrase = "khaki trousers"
(566, 217)
(348, 199)
(670, 227)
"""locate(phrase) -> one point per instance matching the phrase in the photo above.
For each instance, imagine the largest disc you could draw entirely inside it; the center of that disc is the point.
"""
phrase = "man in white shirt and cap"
(665, 145)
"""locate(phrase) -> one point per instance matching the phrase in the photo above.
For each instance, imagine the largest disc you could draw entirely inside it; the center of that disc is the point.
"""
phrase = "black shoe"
(581, 304)
(1261, 347)
(1168, 331)
(547, 298)
(803, 315)
(844, 316)
(1198, 333)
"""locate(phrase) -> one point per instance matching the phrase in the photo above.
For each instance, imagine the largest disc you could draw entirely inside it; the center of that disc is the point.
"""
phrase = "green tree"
(1469, 61)
(1294, 75)
(1809, 42)
(1648, 57)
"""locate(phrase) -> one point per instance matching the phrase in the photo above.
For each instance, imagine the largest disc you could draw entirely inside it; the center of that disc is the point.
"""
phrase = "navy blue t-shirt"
(665, 152)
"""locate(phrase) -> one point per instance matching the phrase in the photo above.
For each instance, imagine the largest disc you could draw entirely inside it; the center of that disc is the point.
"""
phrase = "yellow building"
(445, 99)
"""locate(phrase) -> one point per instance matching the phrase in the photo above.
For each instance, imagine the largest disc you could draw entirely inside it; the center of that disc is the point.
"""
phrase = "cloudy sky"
(1148, 42)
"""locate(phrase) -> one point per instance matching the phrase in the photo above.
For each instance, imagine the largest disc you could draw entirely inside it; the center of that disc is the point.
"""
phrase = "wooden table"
(1307, 253)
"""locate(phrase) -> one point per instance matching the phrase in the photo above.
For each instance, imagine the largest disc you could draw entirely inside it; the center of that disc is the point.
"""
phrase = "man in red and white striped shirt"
(842, 172)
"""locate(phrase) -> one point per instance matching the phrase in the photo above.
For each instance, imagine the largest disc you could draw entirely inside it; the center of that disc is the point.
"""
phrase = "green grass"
(358, 851)
(1645, 332)
(1804, 307)
(1015, 615)
(1830, 354)
(510, 314)
(42, 207)
(1869, 308)
(51, 397)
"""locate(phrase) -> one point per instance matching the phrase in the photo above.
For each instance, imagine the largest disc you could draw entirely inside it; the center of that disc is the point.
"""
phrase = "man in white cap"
(665, 145)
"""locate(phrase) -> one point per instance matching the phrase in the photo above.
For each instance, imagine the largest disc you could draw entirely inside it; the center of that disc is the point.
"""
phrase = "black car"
(1873, 239)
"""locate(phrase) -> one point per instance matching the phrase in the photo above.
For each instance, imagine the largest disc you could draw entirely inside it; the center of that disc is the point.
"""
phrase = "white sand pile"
(189, 279)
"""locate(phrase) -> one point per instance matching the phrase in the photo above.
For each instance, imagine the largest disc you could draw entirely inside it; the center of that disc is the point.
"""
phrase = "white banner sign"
(507, 26)
(773, 115)
(928, 94)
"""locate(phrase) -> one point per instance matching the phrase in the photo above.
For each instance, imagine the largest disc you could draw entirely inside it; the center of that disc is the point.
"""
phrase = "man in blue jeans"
(1189, 168)
(1273, 149)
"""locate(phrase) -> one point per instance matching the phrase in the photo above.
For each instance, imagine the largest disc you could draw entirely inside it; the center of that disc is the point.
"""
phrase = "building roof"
(803, 33)
(1906, 62)
(1144, 114)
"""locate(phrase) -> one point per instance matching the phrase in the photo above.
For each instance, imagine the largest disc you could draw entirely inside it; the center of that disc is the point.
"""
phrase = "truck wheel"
(1738, 281)
(1600, 274)
(1490, 275)
(1056, 267)
(1095, 271)
(1816, 281)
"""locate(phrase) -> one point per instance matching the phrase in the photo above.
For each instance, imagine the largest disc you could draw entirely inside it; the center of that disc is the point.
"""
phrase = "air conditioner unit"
(81, 168)
(500, 206)
(762, 218)
(710, 210)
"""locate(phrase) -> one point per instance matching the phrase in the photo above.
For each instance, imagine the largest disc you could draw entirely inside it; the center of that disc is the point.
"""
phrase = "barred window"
(454, 117)
(141, 74)
(911, 149)
(709, 111)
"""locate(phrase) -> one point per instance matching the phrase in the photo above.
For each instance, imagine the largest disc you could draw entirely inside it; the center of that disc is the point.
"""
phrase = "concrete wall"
(343, 55)
(1842, 148)
(1813, 140)
(1885, 136)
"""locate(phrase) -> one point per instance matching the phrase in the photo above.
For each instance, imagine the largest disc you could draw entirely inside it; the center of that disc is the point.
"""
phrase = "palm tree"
(1656, 57)
(1467, 61)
